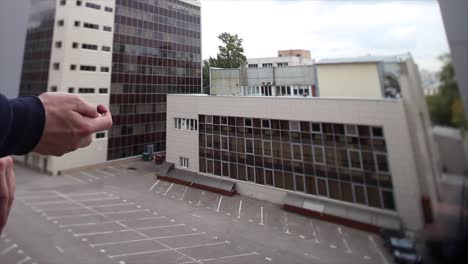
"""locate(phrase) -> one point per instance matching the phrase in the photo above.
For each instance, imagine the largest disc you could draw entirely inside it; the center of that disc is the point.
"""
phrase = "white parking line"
(59, 249)
(286, 224)
(58, 209)
(168, 189)
(36, 197)
(167, 249)
(183, 194)
(219, 203)
(89, 175)
(224, 257)
(133, 230)
(98, 199)
(8, 249)
(124, 212)
(199, 202)
(240, 208)
(125, 230)
(105, 172)
(111, 205)
(382, 256)
(145, 239)
(74, 178)
(48, 203)
(261, 215)
(348, 248)
(24, 260)
(85, 194)
(69, 216)
(154, 185)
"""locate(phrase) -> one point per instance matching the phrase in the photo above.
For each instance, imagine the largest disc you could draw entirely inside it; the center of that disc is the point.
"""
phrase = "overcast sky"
(328, 28)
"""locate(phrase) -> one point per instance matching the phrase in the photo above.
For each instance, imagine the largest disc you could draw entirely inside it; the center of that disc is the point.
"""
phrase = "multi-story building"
(359, 152)
(125, 54)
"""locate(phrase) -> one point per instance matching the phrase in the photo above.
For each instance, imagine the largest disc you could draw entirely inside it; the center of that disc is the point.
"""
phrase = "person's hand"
(70, 123)
(7, 189)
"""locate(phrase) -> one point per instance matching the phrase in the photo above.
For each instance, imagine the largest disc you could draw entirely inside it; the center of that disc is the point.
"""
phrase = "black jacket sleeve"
(22, 122)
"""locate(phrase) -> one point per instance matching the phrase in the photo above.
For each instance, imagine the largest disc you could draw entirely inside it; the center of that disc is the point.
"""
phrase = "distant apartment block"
(344, 139)
(126, 54)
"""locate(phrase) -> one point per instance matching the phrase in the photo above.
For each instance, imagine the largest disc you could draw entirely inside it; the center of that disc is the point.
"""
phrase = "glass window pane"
(310, 185)
(299, 182)
(373, 197)
(322, 187)
(359, 194)
(388, 201)
(250, 173)
(279, 179)
(268, 177)
(334, 189)
(241, 172)
(288, 181)
(346, 192)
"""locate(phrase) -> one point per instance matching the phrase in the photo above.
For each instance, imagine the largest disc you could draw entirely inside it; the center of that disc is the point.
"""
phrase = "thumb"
(104, 122)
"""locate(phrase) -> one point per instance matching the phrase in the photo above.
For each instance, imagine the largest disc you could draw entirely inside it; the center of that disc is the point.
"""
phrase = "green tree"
(230, 55)
(446, 108)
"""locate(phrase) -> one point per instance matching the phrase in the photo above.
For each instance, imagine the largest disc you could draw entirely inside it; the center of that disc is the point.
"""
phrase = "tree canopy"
(230, 55)
(446, 107)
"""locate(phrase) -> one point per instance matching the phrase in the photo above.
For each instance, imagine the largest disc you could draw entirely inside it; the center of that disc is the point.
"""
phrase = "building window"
(106, 28)
(106, 48)
(91, 25)
(77, 23)
(351, 130)
(78, 2)
(94, 6)
(104, 69)
(63, 2)
(71, 90)
(56, 66)
(87, 68)
(75, 45)
(86, 90)
(89, 46)
(185, 124)
(253, 65)
(109, 9)
(60, 23)
(58, 44)
(282, 64)
(53, 88)
(267, 65)
(73, 67)
(103, 90)
(101, 135)
(184, 162)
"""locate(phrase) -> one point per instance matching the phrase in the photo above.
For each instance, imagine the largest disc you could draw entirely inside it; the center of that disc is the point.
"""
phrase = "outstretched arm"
(51, 124)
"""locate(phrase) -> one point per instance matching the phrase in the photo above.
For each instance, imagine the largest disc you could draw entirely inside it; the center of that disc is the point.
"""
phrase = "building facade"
(364, 158)
(125, 54)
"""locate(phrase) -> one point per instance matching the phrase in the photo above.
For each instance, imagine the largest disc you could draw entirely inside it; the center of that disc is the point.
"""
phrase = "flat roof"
(363, 59)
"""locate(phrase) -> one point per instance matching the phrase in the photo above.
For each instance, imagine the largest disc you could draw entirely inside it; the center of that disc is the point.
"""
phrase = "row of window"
(88, 4)
(83, 90)
(73, 67)
(61, 23)
(373, 196)
(185, 124)
(268, 65)
(299, 126)
(75, 45)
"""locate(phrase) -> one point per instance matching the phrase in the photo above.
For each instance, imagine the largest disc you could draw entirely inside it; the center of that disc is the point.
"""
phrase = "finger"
(84, 142)
(3, 195)
(11, 183)
(86, 109)
(101, 123)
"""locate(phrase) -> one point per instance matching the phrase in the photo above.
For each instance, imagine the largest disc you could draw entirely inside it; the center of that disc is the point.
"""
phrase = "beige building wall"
(65, 78)
(390, 114)
(357, 80)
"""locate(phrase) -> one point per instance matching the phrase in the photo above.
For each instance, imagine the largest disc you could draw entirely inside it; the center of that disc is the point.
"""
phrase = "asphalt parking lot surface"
(110, 214)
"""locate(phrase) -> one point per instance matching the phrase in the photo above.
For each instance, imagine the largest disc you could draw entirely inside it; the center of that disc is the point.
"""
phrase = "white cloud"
(328, 28)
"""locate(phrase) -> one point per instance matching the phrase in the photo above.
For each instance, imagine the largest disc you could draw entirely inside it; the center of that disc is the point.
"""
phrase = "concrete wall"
(390, 114)
(452, 153)
(358, 80)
